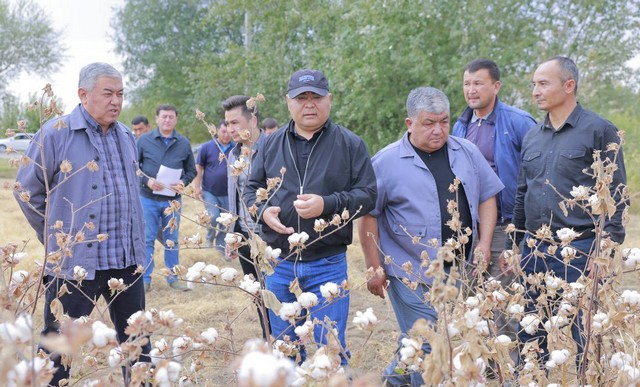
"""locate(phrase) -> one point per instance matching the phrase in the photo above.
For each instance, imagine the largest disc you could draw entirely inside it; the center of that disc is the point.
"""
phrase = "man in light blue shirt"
(413, 178)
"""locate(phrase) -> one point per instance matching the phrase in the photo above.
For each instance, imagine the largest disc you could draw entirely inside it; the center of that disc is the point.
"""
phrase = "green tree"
(28, 43)
(373, 52)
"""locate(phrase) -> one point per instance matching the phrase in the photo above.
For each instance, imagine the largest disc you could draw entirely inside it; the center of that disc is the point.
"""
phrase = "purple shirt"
(482, 132)
(408, 199)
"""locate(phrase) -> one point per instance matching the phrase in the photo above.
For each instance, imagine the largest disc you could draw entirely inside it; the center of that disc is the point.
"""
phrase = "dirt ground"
(231, 312)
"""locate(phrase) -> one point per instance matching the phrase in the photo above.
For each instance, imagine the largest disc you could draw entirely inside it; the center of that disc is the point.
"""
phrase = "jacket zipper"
(300, 180)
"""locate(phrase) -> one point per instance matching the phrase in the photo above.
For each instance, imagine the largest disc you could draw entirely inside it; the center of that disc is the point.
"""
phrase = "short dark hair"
(568, 70)
(241, 102)
(166, 107)
(484, 64)
(140, 120)
(222, 122)
(269, 123)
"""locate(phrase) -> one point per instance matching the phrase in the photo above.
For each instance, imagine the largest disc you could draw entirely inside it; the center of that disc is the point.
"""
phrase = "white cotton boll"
(498, 296)
(173, 371)
(516, 309)
(633, 372)
(502, 339)
(580, 192)
(102, 334)
(289, 310)
(156, 356)
(329, 290)
(593, 200)
(568, 252)
(304, 329)
(212, 270)
(452, 330)
(472, 302)
(482, 327)
(365, 320)
(620, 359)
(249, 285)
(308, 300)
(261, 369)
(555, 322)
(228, 274)
(560, 356)
(567, 234)
(550, 364)
(630, 297)
(225, 219)
(600, 320)
(18, 374)
(530, 324)
(180, 346)
(115, 357)
(552, 281)
(272, 253)
(632, 257)
(210, 335)
(18, 332)
(15, 258)
(79, 273)
(471, 317)
(162, 377)
(409, 349)
(232, 239)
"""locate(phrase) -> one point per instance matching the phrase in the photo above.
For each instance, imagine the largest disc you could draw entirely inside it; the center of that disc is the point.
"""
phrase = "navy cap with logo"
(308, 80)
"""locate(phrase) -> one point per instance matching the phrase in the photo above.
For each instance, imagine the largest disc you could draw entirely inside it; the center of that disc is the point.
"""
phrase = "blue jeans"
(310, 275)
(409, 306)
(155, 220)
(570, 273)
(213, 204)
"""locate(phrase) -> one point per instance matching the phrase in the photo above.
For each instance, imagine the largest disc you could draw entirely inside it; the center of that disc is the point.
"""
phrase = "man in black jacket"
(328, 173)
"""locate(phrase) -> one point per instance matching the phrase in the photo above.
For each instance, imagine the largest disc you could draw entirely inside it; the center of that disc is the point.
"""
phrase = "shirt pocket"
(407, 232)
(532, 163)
(572, 162)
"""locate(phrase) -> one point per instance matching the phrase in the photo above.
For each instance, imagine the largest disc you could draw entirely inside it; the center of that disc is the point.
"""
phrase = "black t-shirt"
(438, 164)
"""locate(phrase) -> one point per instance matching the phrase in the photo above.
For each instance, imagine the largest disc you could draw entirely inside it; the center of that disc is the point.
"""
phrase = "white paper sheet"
(167, 176)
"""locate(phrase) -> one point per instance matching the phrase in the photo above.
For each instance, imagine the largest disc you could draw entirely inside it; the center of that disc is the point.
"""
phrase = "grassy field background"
(228, 309)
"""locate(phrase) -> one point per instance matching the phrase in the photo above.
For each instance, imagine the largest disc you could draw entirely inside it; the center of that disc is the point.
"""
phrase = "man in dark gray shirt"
(555, 156)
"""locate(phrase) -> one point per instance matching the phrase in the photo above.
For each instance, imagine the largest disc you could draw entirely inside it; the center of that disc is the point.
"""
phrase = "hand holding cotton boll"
(309, 206)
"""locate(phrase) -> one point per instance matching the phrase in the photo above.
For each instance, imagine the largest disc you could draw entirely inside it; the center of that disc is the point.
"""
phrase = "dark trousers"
(554, 264)
(79, 302)
(248, 267)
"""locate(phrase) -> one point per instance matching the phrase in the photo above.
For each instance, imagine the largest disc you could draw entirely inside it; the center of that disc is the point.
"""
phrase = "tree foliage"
(196, 53)
(28, 43)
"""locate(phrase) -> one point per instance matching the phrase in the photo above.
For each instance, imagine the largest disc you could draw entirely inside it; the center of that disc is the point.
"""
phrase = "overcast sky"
(86, 32)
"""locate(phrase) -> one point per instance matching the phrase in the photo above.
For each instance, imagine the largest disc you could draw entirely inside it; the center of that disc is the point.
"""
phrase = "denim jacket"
(75, 201)
(511, 126)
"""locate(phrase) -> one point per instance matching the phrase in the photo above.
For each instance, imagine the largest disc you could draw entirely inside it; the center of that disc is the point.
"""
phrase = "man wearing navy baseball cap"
(328, 171)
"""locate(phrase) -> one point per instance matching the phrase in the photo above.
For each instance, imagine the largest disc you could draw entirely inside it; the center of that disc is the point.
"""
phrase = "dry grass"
(231, 312)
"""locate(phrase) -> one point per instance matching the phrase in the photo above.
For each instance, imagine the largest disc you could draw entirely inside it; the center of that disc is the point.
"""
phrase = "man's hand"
(177, 187)
(197, 191)
(154, 184)
(484, 251)
(309, 206)
(378, 283)
(502, 261)
(271, 219)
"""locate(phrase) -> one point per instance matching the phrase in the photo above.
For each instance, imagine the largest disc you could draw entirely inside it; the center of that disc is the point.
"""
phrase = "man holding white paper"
(167, 166)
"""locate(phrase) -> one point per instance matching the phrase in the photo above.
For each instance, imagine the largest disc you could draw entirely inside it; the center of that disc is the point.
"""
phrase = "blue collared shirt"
(115, 214)
(408, 200)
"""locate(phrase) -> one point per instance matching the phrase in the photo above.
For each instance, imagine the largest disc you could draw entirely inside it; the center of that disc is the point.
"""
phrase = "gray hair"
(568, 70)
(90, 73)
(427, 99)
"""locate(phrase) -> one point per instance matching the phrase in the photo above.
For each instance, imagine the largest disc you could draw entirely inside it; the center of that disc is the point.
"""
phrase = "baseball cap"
(307, 80)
